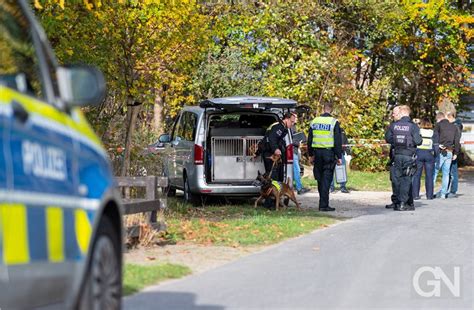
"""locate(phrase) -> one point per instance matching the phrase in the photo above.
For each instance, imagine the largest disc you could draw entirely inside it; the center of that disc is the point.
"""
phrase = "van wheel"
(102, 287)
(188, 196)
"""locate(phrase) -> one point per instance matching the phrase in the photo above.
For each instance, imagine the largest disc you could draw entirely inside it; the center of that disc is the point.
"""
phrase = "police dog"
(271, 188)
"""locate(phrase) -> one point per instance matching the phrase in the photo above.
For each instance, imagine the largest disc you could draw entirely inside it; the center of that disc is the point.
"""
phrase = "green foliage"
(361, 55)
(226, 73)
(372, 159)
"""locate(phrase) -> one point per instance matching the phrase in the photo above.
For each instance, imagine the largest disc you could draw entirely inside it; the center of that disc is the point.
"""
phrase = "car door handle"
(19, 111)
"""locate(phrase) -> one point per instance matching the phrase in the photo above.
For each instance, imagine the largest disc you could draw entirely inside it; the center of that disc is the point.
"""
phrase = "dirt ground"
(198, 258)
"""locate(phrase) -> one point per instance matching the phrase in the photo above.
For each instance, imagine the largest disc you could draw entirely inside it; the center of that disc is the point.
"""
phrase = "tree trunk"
(132, 113)
(157, 124)
(358, 72)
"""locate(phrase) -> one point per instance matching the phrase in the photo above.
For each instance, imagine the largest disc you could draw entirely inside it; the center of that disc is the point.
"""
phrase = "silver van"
(211, 148)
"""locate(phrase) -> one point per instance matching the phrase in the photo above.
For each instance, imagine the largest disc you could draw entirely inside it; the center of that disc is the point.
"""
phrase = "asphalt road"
(383, 259)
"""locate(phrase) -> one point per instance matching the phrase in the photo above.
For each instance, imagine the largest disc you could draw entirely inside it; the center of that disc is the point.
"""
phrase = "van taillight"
(198, 154)
(289, 154)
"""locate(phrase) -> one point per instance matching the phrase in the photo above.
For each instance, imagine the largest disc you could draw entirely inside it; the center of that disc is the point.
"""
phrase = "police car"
(60, 219)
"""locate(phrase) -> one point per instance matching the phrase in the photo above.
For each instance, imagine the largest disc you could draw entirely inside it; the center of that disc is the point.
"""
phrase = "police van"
(60, 218)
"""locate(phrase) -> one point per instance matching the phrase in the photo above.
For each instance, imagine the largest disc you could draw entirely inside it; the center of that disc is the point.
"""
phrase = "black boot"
(327, 209)
(405, 207)
(391, 206)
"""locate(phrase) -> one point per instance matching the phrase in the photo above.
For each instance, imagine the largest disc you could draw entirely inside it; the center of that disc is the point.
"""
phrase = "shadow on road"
(167, 300)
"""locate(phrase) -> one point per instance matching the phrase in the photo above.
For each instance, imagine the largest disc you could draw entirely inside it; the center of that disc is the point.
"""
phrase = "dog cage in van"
(233, 158)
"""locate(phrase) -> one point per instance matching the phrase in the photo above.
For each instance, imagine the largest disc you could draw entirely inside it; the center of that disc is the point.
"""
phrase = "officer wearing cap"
(404, 136)
(325, 150)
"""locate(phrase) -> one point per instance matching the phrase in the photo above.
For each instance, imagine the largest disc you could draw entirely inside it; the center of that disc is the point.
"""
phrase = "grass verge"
(237, 225)
(136, 277)
(359, 181)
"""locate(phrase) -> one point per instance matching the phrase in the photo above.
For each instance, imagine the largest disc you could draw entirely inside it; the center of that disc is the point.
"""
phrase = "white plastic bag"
(341, 174)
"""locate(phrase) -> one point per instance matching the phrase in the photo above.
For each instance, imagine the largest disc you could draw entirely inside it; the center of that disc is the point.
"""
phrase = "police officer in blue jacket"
(404, 136)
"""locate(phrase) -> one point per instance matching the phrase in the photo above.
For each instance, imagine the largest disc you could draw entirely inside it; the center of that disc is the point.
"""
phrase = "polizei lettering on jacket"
(325, 127)
(402, 127)
(401, 135)
(43, 161)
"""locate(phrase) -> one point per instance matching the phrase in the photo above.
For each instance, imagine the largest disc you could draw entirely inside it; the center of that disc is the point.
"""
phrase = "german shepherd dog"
(271, 188)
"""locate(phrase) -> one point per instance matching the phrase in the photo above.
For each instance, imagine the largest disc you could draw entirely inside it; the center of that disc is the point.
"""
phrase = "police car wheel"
(103, 285)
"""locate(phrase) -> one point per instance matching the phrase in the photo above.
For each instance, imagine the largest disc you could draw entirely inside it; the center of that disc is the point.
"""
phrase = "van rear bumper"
(228, 189)
(200, 186)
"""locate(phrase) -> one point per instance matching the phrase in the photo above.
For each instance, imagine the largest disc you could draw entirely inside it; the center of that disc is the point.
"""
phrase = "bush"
(370, 159)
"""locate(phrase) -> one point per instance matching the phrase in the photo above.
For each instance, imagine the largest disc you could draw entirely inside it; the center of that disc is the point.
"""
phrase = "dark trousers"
(275, 172)
(394, 196)
(402, 182)
(424, 159)
(324, 164)
(392, 173)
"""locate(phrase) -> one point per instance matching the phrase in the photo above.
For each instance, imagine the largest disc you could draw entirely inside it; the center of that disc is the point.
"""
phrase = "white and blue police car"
(60, 217)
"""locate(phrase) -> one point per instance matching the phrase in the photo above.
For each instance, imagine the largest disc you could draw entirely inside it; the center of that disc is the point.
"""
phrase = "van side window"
(178, 129)
(190, 124)
(19, 64)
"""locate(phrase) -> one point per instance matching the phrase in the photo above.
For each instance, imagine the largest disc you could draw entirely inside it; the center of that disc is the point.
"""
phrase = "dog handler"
(325, 150)
(275, 145)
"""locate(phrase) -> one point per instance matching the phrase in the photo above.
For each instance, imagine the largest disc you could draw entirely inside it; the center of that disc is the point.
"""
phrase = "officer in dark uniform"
(404, 136)
(391, 165)
(325, 150)
(275, 145)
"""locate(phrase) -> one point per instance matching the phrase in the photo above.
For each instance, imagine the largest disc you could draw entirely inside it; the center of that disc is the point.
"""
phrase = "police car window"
(19, 65)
